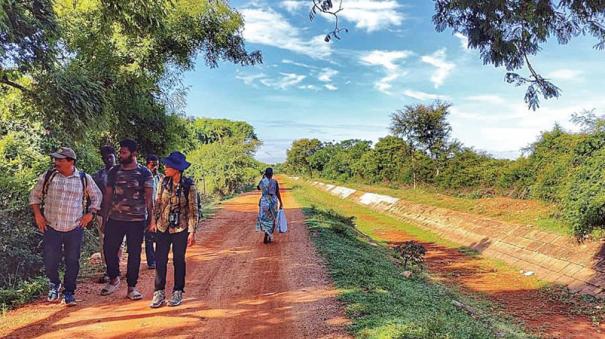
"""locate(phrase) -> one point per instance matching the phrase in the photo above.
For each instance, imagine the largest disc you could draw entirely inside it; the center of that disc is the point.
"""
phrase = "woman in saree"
(267, 211)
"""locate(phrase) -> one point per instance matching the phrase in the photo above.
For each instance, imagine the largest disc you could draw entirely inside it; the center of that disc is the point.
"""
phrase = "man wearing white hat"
(64, 201)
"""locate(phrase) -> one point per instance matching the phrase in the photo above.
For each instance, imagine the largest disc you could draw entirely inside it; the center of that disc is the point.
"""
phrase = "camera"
(173, 219)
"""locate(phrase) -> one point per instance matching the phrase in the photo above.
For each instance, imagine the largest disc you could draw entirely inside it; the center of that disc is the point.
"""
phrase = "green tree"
(299, 155)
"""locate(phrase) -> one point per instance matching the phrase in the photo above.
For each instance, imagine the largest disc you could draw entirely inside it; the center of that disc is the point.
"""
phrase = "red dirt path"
(516, 293)
(236, 287)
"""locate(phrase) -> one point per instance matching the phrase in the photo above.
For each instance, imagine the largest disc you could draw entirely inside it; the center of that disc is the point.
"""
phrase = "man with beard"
(108, 155)
(127, 202)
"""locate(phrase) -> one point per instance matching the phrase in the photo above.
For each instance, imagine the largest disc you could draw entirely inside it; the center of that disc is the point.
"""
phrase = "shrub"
(412, 253)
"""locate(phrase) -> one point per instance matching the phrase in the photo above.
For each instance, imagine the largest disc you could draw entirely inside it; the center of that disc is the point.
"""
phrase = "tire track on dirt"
(236, 287)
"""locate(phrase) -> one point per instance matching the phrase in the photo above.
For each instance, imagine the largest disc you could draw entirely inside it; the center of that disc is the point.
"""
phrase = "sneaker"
(110, 288)
(133, 294)
(177, 298)
(69, 299)
(54, 292)
(159, 299)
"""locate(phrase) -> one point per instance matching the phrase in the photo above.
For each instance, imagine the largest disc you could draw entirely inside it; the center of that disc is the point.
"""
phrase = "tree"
(424, 127)
(508, 32)
(106, 62)
(299, 154)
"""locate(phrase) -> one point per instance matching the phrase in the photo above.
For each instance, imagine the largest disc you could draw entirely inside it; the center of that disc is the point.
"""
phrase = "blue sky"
(391, 57)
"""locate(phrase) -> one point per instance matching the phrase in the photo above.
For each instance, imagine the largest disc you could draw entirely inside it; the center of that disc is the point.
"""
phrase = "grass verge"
(382, 303)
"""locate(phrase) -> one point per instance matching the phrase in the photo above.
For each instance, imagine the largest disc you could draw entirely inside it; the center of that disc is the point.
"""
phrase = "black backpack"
(50, 175)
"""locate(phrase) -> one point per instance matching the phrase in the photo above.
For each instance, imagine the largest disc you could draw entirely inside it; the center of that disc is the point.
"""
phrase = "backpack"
(187, 183)
(50, 175)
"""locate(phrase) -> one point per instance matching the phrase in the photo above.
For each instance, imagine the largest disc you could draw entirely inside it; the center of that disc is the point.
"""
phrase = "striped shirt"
(63, 201)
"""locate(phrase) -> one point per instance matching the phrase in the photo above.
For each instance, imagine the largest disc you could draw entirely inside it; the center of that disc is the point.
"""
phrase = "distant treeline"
(561, 167)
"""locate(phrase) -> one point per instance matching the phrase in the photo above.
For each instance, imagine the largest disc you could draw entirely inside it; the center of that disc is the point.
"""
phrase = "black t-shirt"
(128, 201)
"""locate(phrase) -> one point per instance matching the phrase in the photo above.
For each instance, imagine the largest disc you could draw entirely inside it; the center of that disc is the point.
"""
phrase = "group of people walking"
(127, 200)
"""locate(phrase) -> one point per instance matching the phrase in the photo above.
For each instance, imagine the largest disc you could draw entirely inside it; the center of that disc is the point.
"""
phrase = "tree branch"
(4, 80)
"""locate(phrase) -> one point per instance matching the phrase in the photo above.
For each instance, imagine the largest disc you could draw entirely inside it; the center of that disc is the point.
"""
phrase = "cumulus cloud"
(293, 6)
(368, 15)
(422, 96)
(463, 41)
(299, 64)
(389, 61)
(268, 27)
(330, 87)
(250, 78)
(326, 74)
(444, 68)
(287, 80)
(564, 74)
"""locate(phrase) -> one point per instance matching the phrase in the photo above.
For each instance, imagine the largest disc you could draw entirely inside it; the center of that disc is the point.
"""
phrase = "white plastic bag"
(282, 223)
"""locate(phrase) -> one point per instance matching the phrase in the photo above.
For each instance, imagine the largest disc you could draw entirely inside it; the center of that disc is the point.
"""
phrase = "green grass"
(380, 302)
(22, 293)
(529, 212)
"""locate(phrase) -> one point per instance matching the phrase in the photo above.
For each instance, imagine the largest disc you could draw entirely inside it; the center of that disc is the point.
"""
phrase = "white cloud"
(424, 96)
(368, 15)
(293, 5)
(444, 68)
(326, 74)
(387, 60)
(310, 87)
(249, 79)
(330, 87)
(287, 80)
(487, 99)
(373, 15)
(299, 64)
(564, 74)
(463, 41)
(268, 27)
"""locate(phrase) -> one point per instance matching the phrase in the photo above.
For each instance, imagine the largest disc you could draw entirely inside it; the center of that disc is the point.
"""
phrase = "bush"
(412, 253)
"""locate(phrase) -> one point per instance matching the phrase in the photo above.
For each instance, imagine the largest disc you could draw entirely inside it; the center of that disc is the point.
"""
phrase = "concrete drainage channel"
(551, 257)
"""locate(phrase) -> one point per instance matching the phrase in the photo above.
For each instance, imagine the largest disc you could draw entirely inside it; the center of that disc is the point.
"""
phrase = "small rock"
(407, 274)
(528, 273)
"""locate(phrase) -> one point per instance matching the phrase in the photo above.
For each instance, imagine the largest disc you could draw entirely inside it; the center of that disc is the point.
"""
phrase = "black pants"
(179, 246)
(114, 234)
(58, 245)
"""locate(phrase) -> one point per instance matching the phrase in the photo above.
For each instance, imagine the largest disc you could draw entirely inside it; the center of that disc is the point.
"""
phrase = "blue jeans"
(114, 234)
(149, 250)
(58, 245)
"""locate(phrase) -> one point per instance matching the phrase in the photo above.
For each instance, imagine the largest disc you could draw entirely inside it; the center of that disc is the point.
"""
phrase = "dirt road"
(236, 287)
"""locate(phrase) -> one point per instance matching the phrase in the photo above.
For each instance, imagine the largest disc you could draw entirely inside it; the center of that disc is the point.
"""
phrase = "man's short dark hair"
(151, 157)
(130, 144)
(107, 149)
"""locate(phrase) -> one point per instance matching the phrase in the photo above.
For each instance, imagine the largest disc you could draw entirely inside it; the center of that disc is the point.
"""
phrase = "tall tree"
(424, 127)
